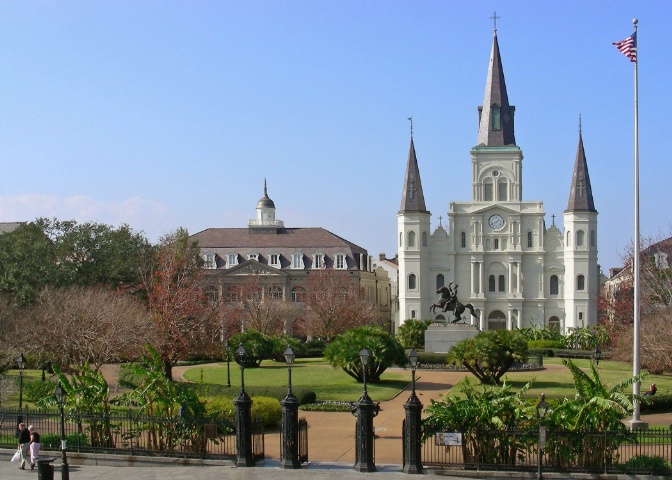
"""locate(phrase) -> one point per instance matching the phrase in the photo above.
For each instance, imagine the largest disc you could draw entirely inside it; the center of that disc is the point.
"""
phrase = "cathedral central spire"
(495, 117)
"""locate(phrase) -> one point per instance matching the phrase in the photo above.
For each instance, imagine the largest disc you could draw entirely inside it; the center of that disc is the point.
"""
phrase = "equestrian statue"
(448, 302)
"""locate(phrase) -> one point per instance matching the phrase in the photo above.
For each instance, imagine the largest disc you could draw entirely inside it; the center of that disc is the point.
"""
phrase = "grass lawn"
(559, 383)
(328, 383)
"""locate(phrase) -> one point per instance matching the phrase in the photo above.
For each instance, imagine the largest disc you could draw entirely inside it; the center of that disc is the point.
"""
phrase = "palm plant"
(595, 409)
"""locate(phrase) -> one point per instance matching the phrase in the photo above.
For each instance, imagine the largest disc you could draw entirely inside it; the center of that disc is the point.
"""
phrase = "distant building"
(282, 259)
(514, 270)
(655, 274)
(391, 266)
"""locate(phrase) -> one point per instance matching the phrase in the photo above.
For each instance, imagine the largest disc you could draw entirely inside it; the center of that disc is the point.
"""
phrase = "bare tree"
(186, 322)
(73, 326)
(259, 305)
(336, 304)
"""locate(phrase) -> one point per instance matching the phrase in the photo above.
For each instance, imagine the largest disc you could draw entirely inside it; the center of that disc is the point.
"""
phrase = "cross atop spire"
(410, 119)
(494, 18)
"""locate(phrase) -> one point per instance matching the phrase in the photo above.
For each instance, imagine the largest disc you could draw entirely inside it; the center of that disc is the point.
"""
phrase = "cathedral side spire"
(496, 126)
(580, 193)
(412, 198)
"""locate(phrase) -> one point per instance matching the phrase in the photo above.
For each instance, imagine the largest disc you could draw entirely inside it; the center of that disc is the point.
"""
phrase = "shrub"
(268, 410)
(544, 344)
(303, 395)
(35, 391)
(430, 358)
(657, 465)
(280, 344)
(327, 407)
(314, 348)
(52, 441)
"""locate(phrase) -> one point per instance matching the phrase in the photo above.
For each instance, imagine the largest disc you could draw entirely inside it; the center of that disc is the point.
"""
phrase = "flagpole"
(636, 340)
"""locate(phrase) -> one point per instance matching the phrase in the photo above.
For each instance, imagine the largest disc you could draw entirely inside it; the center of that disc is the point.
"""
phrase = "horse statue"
(449, 302)
(447, 294)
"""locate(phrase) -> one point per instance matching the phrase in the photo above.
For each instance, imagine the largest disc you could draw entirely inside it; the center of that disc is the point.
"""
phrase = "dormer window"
(661, 260)
(253, 256)
(231, 260)
(274, 260)
(318, 260)
(209, 261)
(339, 261)
(297, 261)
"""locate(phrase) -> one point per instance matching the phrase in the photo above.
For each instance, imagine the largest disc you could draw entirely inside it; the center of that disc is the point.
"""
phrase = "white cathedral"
(514, 270)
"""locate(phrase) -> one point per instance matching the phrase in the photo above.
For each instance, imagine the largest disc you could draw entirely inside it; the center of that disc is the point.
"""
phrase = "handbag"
(17, 456)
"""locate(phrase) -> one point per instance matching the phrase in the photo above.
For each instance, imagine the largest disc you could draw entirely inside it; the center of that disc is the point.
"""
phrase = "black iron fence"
(130, 433)
(643, 452)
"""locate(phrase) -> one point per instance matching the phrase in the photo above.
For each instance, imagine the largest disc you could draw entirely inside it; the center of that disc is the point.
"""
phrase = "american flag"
(628, 47)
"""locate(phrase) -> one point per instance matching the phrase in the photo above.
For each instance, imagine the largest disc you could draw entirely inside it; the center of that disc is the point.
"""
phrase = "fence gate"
(303, 440)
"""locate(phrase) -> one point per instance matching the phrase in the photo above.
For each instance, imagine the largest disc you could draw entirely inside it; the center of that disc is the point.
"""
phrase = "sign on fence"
(449, 438)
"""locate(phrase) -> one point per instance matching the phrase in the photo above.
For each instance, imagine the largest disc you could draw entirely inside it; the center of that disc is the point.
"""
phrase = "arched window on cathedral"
(487, 191)
(424, 239)
(502, 192)
(580, 283)
(579, 238)
(412, 283)
(463, 239)
(440, 281)
(554, 324)
(529, 240)
(401, 239)
(554, 285)
(592, 238)
(491, 283)
(502, 284)
(411, 239)
(569, 238)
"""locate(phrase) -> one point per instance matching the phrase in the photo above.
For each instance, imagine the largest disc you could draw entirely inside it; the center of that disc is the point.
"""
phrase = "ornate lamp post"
(227, 346)
(413, 425)
(243, 406)
(597, 354)
(59, 394)
(542, 407)
(290, 420)
(365, 410)
(21, 361)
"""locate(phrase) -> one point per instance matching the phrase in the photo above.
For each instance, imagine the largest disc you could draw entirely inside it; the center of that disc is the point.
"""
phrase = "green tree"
(64, 253)
(385, 351)
(27, 263)
(490, 354)
(257, 345)
(411, 333)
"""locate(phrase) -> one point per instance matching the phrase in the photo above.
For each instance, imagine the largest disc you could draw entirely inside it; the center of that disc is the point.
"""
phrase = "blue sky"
(162, 114)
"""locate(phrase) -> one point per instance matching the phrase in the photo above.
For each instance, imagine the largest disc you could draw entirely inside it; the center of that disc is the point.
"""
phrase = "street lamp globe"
(289, 355)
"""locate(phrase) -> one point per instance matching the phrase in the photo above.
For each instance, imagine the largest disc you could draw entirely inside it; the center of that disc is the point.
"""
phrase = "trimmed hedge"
(545, 344)
(303, 395)
(657, 403)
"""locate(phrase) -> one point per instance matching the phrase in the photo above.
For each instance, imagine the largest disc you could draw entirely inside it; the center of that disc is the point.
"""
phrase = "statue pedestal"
(440, 337)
